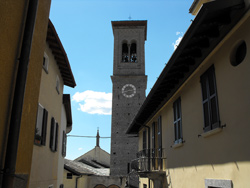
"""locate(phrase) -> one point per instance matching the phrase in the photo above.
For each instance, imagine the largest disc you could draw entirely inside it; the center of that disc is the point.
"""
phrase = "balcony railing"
(149, 160)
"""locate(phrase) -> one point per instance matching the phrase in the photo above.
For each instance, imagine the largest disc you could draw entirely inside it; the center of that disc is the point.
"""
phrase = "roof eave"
(195, 26)
(60, 55)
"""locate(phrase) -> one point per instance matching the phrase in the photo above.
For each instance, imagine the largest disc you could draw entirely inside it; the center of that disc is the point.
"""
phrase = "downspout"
(16, 114)
(77, 180)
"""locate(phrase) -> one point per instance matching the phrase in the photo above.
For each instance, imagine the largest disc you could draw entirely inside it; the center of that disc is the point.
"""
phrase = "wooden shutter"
(44, 127)
(56, 136)
(52, 134)
(153, 145)
(64, 142)
(159, 143)
(159, 137)
(144, 144)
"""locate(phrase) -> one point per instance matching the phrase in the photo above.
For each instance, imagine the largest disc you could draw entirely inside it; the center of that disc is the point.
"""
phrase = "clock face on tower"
(128, 90)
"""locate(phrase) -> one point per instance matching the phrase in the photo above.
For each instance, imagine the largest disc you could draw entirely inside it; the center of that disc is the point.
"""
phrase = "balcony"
(149, 161)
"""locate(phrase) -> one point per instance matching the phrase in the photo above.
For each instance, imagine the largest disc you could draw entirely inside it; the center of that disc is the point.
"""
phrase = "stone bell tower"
(129, 86)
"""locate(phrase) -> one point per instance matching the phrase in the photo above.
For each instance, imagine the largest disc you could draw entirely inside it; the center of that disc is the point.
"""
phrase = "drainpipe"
(16, 114)
(77, 180)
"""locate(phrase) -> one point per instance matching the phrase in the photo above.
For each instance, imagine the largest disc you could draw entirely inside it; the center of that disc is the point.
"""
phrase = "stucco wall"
(60, 137)
(45, 162)
(82, 181)
(223, 155)
(12, 20)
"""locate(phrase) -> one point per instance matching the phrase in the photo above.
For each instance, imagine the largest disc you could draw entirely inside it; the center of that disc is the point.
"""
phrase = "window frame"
(53, 135)
(159, 139)
(177, 121)
(209, 100)
(46, 62)
(153, 138)
(58, 84)
(69, 175)
(42, 119)
(144, 142)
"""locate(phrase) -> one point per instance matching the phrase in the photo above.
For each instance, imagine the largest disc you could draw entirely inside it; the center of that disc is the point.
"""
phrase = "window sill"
(177, 144)
(211, 132)
(44, 68)
(38, 143)
(57, 89)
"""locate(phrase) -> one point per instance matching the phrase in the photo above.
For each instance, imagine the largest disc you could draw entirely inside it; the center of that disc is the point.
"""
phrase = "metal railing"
(149, 160)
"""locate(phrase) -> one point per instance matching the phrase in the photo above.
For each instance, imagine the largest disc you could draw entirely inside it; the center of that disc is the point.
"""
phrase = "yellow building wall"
(12, 20)
(28, 123)
(223, 155)
(82, 181)
(45, 162)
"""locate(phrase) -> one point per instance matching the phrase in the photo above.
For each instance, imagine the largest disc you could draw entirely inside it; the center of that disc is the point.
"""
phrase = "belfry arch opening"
(125, 55)
(133, 55)
(129, 52)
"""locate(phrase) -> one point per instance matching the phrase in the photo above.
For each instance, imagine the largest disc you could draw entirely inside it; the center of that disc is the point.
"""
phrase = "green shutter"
(44, 127)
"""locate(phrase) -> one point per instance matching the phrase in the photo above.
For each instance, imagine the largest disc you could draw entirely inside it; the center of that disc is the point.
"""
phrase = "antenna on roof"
(98, 138)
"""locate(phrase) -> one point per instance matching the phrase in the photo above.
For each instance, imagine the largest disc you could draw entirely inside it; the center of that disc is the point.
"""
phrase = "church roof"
(91, 159)
(213, 22)
(79, 168)
(130, 23)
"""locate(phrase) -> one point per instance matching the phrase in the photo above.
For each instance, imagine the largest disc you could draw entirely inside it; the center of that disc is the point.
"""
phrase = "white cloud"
(177, 42)
(179, 33)
(94, 102)
(80, 149)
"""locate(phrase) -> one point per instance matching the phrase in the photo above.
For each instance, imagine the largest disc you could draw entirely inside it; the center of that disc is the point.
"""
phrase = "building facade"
(129, 85)
(195, 133)
(23, 38)
(51, 125)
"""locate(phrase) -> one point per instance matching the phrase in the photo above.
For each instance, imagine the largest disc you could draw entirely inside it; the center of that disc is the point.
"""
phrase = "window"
(238, 53)
(210, 101)
(129, 52)
(69, 175)
(177, 121)
(128, 168)
(144, 144)
(41, 125)
(159, 134)
(133, 57)
(46, 62)
(53, 135)
(153, 145)
(64, 143)
(125, 52)
(57, 84)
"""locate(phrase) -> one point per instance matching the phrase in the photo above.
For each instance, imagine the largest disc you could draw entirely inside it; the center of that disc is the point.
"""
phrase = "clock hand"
(128, 90)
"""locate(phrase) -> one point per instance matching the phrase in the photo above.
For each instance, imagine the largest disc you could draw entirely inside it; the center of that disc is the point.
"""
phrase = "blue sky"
(84, 27)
